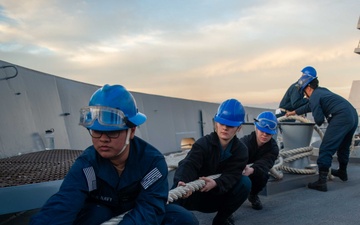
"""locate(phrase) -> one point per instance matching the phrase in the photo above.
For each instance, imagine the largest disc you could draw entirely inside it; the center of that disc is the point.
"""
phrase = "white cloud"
(205, 50)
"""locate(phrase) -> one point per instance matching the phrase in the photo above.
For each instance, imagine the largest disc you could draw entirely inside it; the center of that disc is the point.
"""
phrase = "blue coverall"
(93, 192)
(292, 100)
(342, 123)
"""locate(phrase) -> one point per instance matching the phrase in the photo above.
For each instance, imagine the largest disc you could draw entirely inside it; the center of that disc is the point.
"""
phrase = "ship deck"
(287, 201)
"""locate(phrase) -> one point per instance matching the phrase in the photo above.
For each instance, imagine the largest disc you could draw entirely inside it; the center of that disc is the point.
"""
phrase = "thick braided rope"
(174, 194)
(180, 191)
(275, 171)
(115, 220)
(295, 170)
(295, 154)
(291, 152)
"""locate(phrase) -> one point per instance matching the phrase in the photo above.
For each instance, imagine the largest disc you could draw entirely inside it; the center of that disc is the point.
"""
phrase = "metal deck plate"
(36, 167)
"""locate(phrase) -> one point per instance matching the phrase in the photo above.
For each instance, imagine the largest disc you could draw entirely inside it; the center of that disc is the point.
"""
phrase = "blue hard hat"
(230, 113)
(266, 122)
(111, 107)
(310, 71)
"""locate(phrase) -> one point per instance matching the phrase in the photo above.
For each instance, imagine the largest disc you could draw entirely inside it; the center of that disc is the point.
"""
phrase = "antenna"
(357, 50)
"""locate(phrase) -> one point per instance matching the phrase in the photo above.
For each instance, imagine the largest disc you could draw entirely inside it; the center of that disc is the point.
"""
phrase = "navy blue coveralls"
(292, 100)
(342, 121)
(93, 192)
(262, 160)
(206, 158)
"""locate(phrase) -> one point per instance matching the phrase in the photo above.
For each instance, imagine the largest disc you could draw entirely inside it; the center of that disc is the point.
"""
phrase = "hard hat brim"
(227, 122)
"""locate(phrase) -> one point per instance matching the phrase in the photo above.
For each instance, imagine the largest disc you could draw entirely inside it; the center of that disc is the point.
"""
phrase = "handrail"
(7, 78)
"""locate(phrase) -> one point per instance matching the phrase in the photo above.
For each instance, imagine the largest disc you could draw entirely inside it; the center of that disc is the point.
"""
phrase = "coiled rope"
(293, 155)
(174, 195)
(298, 153)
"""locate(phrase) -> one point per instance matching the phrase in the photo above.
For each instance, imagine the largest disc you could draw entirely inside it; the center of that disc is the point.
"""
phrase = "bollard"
(297, 135)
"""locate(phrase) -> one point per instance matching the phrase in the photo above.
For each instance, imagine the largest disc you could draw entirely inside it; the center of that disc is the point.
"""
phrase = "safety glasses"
(263, 122)
(105, 115)
(110, 134)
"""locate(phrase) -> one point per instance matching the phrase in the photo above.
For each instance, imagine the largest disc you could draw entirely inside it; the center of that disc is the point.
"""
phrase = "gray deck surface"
(340, 205)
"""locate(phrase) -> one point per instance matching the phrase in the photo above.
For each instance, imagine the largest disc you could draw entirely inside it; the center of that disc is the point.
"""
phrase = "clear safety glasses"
(263, 122)
(105, 115)
(110, 134)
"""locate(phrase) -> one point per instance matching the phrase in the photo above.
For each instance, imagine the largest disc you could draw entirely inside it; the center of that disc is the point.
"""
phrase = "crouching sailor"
(119, 173)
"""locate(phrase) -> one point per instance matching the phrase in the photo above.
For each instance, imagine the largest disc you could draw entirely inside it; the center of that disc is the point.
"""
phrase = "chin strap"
(127, 141)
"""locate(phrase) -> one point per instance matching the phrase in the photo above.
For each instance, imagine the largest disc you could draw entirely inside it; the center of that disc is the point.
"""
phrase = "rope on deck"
(174, 194)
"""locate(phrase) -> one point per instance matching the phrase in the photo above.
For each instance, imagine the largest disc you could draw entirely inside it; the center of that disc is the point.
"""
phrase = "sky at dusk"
(202, 50)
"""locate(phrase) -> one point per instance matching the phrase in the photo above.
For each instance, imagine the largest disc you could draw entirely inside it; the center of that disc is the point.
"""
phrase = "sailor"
(342, 121)
(219, 152)
(263, 151)
(292, 99)
(119, 173)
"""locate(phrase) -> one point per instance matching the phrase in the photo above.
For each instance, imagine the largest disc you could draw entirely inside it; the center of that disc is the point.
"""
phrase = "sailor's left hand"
(188, 190)
(248, 170)
(290, 113)
(209, 184)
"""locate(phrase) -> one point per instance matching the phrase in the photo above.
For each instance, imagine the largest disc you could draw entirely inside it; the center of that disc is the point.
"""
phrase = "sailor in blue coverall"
(292, 99)
(219, 152)
(342, 121)
(120, 173)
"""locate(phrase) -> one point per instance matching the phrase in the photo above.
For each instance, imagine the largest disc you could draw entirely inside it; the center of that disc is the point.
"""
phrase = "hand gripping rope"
(180, 191)
(174, 195)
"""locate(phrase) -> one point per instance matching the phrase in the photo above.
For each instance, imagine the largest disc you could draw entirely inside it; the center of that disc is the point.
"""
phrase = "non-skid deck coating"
(300, 206)
(340, 205)
(36, 167)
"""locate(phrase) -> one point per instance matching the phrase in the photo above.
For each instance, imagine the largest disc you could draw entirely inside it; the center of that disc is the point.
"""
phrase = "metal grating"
(36, 167)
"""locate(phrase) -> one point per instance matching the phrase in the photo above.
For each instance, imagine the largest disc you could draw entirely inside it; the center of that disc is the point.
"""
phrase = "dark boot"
(255, 201)
(341, 172)
(220, 221)
(230, 220)
(320, 184)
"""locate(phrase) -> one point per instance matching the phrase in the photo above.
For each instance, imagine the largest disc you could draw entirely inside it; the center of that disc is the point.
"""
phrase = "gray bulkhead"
(33, 102)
